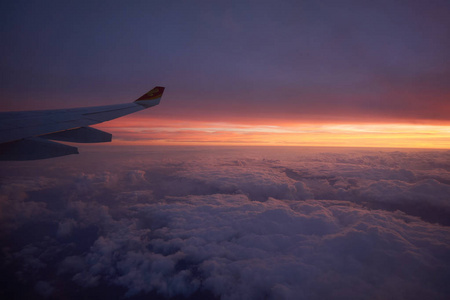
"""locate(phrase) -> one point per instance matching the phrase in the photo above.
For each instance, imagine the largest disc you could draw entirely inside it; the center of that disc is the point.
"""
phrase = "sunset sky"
(313, 73)
(173, 208)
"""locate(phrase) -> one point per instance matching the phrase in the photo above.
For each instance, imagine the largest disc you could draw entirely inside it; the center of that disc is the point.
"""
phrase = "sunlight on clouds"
(173, 132)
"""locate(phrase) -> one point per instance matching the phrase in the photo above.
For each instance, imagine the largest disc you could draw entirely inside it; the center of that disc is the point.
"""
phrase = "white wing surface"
(28, 135)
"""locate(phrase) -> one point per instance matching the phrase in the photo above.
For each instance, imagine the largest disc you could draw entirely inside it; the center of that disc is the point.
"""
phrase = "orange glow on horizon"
(138, 131)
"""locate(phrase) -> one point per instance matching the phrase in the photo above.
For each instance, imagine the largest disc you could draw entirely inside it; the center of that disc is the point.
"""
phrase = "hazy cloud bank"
(231, 223)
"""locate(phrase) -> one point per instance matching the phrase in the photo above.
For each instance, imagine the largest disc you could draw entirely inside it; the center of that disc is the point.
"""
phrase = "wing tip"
(153, 94)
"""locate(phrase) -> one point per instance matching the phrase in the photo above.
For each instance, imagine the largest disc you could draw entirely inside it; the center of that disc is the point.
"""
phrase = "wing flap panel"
(80, 135)
(29, 131)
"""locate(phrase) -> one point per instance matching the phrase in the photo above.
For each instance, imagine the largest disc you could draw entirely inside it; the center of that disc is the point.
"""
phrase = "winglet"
(156, 92)
(151, 98)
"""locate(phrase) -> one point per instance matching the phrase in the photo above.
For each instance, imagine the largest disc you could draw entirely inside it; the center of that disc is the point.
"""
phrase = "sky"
(318, 73)
(355, 215)
(229, 223)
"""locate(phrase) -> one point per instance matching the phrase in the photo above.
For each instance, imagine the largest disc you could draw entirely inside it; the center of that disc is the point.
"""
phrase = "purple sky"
(232, 60)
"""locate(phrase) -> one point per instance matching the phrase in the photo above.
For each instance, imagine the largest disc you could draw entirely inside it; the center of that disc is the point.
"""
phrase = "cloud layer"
(229, 223)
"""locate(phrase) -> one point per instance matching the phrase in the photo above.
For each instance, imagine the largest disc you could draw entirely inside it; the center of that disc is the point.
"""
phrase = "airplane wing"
(30, 135)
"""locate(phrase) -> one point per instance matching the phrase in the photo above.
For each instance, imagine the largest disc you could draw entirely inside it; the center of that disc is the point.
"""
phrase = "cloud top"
(247, 224)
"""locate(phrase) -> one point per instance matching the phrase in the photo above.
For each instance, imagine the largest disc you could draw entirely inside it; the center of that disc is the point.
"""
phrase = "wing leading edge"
(30, 135)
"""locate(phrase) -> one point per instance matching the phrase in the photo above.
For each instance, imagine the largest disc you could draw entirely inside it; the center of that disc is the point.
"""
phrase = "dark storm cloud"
(352, 60)
(251, 223)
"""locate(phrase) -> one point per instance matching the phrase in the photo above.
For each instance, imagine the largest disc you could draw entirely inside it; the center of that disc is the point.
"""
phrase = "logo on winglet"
(152, 94)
